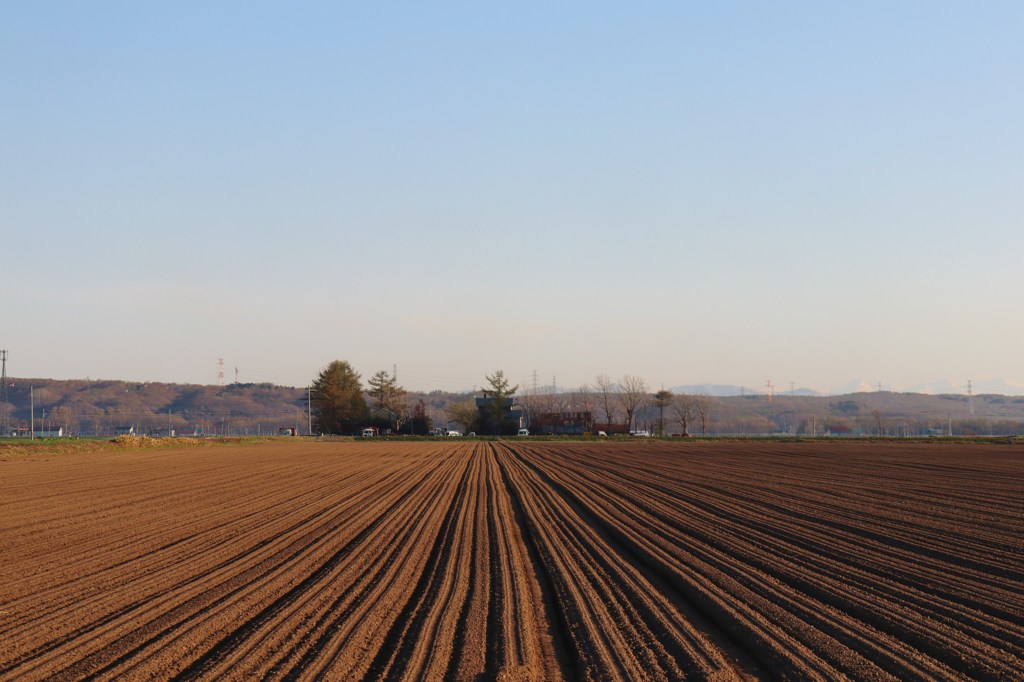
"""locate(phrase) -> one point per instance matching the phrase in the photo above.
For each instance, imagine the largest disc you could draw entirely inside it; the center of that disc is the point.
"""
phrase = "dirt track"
(515, 561)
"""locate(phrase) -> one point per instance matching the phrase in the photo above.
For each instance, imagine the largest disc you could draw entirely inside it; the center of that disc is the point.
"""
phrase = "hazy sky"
(690, 192)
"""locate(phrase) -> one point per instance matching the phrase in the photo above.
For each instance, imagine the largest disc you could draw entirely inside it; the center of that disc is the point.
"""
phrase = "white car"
(453, 433)
(643, 434)
(523, 432)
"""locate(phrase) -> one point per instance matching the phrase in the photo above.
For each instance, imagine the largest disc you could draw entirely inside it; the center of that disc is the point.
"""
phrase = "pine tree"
(337, 399)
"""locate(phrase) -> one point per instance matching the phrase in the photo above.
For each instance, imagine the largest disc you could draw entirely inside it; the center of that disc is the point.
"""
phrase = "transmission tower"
(768, 385)
(970, 398)
(220, 371)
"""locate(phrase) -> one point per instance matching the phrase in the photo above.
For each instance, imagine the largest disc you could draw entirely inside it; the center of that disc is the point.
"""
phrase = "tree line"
(338, 404)
(627, 403)
(102, 407)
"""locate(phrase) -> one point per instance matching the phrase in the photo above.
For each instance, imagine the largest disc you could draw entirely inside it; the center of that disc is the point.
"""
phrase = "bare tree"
(584, 399)
(606, 391)
(464, 412)
(877, 414)
(704, 404)
(685, 410)
(532, 401)
(558, 401)
(632, 395)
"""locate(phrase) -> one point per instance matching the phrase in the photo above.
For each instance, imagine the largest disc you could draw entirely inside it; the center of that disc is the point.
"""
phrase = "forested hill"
(87, 407)
(101, 406)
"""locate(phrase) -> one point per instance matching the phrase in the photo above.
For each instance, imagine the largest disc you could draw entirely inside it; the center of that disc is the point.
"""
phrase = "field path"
(515, 560)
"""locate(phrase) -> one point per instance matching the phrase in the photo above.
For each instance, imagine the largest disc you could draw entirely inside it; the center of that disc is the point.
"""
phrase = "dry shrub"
(133, 441)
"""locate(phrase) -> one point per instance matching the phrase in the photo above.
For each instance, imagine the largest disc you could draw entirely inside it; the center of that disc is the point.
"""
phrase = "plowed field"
(515, 561)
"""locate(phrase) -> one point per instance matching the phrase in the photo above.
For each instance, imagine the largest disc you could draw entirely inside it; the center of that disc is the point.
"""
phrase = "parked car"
(523, 432)
(644, 434)
(453, 433)
(602, 434)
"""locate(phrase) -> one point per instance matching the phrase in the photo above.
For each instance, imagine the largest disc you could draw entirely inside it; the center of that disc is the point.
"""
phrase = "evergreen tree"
(386, 392)
(337, 399)
(662, 399)
(421, 423)
(496, 413)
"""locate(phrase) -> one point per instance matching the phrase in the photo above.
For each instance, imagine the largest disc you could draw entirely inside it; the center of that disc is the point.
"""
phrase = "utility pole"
(32, 401)
(309, 407)
(3, 377)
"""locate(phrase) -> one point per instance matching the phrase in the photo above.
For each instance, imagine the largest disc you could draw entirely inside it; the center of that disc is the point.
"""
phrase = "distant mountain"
(726, 390)
(719, 390)
(986, 387)
(937, 387)
(855, 386)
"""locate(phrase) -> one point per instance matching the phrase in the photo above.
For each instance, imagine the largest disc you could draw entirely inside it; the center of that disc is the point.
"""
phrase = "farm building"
(509, 416)
(38, 432)
(382, 415)
(562, 423)
(612, 429)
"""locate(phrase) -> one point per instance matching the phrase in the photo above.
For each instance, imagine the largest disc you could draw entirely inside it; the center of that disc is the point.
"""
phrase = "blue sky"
(723, 192)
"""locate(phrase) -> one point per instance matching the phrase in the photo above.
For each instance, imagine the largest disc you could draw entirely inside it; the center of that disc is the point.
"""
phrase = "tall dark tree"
(337, 399)
(420, 424)
(387, 395)
(499, 403)
(662, 399)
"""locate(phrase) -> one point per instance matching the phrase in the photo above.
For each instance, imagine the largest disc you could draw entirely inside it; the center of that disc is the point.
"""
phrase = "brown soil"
(515, 561)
